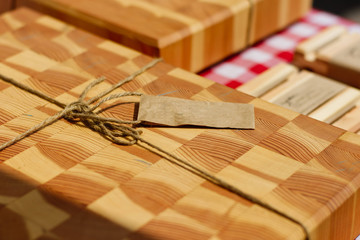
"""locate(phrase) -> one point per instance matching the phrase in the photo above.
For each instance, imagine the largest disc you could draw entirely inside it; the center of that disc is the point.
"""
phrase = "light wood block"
(67, 182)
(191, 34)
(334, 53)
(308, 93)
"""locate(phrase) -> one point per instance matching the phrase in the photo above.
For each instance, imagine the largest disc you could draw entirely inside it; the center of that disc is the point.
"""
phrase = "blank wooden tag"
(176, 112)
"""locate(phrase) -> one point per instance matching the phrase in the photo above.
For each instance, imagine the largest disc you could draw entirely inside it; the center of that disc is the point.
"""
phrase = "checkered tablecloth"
(279, 47)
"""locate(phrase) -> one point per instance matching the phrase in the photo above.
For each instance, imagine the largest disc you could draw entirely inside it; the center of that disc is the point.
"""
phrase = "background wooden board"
(191, 34)
(333, 52)
(327, 100)
(187, 33)
(67, 182)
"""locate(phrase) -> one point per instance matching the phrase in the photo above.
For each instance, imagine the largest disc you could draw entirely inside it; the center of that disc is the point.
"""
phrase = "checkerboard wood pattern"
(67, 182)
(191, 34)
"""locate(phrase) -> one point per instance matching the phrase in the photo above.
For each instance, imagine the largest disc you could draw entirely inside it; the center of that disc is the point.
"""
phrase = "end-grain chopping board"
(334, 52)
(191, 34)
(68, 182)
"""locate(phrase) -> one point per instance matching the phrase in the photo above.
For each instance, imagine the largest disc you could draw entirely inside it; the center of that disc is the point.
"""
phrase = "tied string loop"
(115, 130)
(119, 132)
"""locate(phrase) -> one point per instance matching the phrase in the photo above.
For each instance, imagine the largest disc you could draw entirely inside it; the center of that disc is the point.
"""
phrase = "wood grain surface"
(67, 182)
(334, 53)
(316, 96)
(191, 34)
(269, 16)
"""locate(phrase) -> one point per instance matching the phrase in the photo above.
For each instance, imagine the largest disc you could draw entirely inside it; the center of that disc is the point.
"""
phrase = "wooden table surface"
(67, 182)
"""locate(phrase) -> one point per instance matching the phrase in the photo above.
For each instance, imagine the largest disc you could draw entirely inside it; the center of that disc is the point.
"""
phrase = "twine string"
(119, 132)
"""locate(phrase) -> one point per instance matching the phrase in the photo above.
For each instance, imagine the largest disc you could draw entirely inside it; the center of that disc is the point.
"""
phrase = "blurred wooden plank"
(350, 121)
(334, 53)
(311, 94)
(271, 78)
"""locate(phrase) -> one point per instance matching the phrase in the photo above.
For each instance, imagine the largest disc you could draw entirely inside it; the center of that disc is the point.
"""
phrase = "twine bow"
(119, 132)
(115, 130)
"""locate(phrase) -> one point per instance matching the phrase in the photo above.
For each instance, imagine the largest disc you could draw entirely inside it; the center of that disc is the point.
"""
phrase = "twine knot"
(74, 109)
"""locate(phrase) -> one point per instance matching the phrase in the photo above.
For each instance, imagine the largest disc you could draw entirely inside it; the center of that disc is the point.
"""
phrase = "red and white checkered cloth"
(277, 48)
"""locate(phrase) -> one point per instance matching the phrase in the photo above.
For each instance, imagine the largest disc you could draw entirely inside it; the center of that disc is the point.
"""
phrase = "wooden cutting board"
(308, 93)
(67, 182)
(191, 34)
(334, 52)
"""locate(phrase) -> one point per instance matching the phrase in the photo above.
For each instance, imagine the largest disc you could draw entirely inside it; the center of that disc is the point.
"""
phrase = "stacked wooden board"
(191, 34)
(308, 93)
(67, 182)
(334, 52)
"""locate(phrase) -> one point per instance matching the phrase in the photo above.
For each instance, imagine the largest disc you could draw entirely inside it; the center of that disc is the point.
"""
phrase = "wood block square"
(172, 86)
(97, 61)
(79, 185)
(34, 207)
(116, 203)
(34, 34)
(305, 146)
(58, 80)
(160, 186)
(32, 118)
(250, 225)
(71, 146)
(255, 185)
(210, 145)
(206, 206)
(12, 73)
(7, 51)
(19, 19)
(14, 184)
(17, 227)
(89, 225)
(305, 195)
(173, 225)
(31, 60)
(39, 166)
(117, 164)
(267, 164)
(348, 166)
(6, 135)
